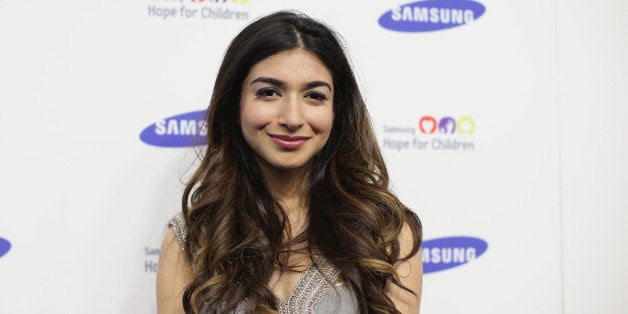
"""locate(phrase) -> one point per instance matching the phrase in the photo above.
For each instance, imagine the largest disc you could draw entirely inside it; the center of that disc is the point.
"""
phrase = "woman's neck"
(288, 186)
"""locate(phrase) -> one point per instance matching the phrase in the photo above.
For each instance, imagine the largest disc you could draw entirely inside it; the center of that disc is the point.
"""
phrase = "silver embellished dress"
(313, 292)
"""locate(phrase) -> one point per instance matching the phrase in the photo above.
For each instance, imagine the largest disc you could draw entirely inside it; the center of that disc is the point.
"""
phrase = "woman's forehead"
(297, 64)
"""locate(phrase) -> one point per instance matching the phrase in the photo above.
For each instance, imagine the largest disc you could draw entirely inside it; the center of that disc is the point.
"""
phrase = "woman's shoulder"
(174, 271)
(177, 225)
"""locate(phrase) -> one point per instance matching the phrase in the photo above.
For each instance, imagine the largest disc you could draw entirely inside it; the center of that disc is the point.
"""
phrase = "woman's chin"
(286, 165)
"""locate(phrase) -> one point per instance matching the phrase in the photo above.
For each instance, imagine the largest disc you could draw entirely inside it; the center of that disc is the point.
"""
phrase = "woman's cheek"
(256, 116)
(322, 121)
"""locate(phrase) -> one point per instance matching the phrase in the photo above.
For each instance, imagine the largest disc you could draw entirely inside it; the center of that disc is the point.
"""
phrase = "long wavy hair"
(236, 228)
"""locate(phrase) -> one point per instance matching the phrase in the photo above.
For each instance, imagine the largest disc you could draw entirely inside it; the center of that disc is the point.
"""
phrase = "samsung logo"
(431, 15)
(184, 130)
(5, 246)
(445, 253)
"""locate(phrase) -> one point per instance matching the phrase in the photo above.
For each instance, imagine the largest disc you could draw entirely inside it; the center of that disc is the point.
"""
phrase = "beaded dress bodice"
(319, 290)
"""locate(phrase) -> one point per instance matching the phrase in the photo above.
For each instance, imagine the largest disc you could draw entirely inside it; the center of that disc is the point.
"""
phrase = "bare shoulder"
(173, 275)
(410, 274)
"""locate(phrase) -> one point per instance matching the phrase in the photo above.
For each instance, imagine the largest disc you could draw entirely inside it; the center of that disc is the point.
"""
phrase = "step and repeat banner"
(100, 99)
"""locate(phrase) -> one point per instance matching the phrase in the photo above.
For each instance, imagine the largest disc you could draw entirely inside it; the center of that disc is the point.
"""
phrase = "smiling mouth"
(289, 142)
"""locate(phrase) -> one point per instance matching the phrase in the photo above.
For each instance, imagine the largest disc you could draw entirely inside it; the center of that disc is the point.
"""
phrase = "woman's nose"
(290, 115)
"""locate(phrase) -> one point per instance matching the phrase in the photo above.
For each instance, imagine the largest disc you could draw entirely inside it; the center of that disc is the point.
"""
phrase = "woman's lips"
(287, 141)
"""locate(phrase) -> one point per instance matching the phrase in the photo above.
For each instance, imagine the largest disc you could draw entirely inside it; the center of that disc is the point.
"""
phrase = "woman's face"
(286, 109)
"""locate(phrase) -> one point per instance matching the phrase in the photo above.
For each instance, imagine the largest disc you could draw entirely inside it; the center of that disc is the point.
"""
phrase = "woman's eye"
(267, 92)
(316, 96)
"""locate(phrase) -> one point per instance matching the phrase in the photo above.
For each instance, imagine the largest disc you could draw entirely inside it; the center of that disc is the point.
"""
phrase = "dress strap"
(177, 223)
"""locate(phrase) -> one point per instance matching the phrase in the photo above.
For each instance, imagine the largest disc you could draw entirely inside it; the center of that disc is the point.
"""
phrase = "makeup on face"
(286, 108)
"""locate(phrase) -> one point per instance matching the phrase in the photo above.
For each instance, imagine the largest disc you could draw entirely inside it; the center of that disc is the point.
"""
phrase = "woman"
(290, 210)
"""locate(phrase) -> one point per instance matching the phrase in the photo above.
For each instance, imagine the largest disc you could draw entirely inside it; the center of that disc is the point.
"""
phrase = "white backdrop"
(531, 199)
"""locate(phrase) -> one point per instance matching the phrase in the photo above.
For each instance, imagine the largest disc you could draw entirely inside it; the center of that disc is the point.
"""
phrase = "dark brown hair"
(236, 227)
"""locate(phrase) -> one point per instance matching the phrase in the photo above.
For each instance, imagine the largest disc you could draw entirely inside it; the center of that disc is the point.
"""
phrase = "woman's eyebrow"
(270, 80)
(314, 84)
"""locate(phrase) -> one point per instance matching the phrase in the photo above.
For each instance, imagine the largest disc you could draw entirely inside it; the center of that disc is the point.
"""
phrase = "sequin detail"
(177, 223)
(310, 288)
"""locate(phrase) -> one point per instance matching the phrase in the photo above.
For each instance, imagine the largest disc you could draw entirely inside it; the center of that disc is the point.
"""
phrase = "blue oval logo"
(5, 246)
(431, 15)
(184, 130)
(445, 253)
